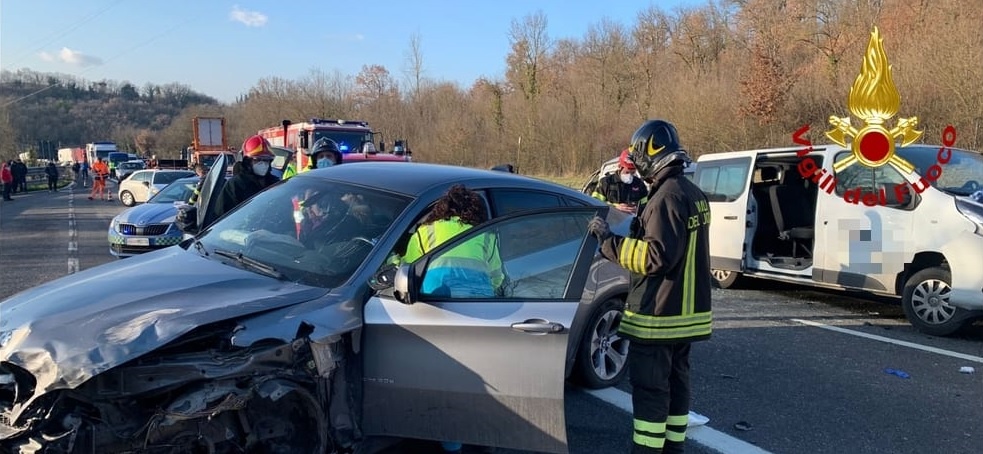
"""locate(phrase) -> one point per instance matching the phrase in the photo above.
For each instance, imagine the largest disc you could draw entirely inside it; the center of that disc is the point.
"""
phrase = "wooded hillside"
(731, 74)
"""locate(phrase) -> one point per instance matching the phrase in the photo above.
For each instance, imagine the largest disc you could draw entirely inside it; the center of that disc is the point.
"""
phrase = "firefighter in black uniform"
(621, 189)
(253, 177)
(668, 306)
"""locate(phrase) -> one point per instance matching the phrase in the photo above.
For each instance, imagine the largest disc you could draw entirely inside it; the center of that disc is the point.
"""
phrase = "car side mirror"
(383, 279)
(146, 183)
(403, 285)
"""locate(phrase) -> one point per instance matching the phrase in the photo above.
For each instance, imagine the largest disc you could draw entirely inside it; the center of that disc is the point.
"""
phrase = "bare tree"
(414, 70)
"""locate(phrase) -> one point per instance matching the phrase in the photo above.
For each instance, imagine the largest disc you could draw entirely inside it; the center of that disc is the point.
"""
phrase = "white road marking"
(902, 343)
(697, 432)
(73, 247)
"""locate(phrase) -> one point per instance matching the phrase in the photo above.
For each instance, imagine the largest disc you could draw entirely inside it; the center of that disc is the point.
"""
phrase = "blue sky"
(221, 48)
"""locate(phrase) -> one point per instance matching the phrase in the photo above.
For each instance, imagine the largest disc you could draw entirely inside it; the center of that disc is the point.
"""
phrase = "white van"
(784, 214)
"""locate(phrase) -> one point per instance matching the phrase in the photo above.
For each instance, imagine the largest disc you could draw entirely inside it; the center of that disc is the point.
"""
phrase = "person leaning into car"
(471, 269)
(668, 307)
(621, 189)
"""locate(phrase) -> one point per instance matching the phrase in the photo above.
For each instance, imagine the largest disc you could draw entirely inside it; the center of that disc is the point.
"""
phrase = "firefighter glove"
(599, 228)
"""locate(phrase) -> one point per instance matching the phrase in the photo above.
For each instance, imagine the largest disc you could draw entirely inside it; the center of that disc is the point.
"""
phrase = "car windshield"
(179, 191)
(118, 157)
(348, 141)
(308, 229)
(962, 175)
(169, 177)
(131, 165)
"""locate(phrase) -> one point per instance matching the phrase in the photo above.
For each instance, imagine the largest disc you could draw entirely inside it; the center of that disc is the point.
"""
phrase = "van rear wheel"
(926, 303)
(725, 278)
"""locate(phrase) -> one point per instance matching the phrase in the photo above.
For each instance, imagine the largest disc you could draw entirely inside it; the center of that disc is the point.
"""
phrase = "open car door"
(445, 359)
(211, 188)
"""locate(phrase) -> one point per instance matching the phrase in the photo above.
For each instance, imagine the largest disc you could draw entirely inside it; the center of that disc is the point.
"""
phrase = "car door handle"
(538, 326)
(731, 218)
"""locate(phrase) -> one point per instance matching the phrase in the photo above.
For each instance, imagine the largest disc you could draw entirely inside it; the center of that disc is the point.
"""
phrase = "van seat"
(794, 212)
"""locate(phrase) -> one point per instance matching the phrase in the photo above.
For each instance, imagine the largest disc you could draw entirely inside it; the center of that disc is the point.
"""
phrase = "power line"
(78, 24)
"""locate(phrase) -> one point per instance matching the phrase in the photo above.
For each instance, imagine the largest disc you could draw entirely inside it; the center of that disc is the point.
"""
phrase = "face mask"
(324, 162)
(627, 178)
(261, 167)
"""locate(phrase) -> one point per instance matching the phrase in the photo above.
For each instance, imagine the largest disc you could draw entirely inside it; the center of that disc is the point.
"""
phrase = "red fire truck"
(354, 137)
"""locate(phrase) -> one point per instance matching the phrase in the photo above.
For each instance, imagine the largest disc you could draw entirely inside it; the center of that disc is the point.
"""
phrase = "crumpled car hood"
(70, 329)
(150, 213)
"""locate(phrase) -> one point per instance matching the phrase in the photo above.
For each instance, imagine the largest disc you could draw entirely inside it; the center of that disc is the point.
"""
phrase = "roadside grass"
(570, 181)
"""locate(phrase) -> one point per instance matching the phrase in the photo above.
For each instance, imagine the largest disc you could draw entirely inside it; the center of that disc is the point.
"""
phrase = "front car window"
(962, 175)
(529, 257)
(348, 141)
(312, 231)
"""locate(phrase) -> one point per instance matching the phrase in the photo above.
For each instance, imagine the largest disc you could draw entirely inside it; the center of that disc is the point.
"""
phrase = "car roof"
(613, 162)
(414, 178)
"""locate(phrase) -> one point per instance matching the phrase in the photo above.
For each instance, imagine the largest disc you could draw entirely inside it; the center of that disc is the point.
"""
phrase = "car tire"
(925, 303)
(602, 356)
(127, 198)
(726, 278)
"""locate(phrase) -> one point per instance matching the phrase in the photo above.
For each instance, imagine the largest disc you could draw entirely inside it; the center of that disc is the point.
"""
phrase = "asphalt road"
(789, 369)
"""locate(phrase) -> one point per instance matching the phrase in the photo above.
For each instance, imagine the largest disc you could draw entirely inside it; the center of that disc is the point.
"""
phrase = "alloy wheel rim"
(609, 352)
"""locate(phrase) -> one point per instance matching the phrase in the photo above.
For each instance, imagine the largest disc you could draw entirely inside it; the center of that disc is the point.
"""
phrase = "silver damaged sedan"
(270, 332)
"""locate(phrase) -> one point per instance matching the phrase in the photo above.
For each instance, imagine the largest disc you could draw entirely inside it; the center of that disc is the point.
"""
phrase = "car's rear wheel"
(602, 357)
(127, 198)
(926, 303)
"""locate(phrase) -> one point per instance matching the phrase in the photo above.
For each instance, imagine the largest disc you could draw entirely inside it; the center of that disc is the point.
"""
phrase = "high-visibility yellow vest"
(480, 252)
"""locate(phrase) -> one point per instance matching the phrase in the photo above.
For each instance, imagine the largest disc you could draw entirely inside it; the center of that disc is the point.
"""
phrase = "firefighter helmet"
(654, 146)
(324, 145)
(256, 147)
(624, 162)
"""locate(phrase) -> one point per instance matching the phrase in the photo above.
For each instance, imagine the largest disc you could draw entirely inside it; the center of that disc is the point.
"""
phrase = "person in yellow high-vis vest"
(470, 269)
(668, 307)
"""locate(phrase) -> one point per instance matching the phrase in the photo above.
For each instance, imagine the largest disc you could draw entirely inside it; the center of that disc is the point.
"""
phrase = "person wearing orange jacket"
(100, 172)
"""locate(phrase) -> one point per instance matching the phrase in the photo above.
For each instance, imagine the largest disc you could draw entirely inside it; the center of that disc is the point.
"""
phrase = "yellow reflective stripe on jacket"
(668, 321)
(633, 254)
(599, 196)
(682, 332)
(689, 276)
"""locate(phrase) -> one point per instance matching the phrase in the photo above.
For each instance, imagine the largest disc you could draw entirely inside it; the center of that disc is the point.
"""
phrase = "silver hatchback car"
(265, 326)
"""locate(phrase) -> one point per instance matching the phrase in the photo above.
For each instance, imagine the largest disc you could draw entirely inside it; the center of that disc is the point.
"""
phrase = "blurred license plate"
(138, 241)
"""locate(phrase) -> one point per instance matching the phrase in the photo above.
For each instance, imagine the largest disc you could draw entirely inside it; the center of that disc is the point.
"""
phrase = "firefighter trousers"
(659, 377)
